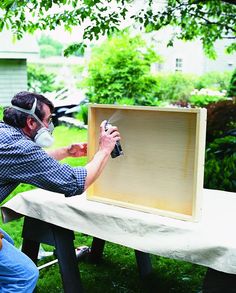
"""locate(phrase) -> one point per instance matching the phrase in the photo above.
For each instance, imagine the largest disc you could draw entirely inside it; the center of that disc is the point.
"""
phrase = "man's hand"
(108, 137)
(107, 140)
(77, 150)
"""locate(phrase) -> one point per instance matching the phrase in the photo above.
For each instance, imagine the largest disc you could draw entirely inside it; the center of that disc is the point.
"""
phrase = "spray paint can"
(117, 151)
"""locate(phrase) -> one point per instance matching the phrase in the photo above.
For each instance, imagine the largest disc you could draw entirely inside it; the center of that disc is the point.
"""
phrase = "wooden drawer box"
(163, 163)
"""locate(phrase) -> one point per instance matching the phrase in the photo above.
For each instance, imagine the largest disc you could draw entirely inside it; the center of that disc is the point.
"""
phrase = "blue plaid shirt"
(22, 161)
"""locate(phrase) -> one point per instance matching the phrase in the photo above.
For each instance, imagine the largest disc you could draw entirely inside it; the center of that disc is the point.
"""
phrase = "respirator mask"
(43, 137)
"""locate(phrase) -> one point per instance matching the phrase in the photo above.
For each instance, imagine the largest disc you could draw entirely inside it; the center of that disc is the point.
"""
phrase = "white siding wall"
(189, 52)
(224, 61)
(13, 79)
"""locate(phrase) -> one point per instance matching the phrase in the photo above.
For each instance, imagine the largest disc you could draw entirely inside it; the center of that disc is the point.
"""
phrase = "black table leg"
(31, 249)
(96, 250)
(36, 232)
(219, 282)
(144, 263)
(67, 260)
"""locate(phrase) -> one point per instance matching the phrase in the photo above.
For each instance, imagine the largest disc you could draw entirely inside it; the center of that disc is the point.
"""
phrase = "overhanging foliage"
(209, 20)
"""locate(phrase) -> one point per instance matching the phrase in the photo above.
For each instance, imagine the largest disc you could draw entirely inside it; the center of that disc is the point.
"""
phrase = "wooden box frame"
(163, 164)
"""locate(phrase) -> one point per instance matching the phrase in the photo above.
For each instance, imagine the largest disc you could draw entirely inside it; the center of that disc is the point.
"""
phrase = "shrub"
(173, 87)
(120, 68)
(205, 96)
(142, 102)
(203, 100)
(84, 113)
(1, 113)
(232, 86)
(47, 51)
(220, 162)
(220, 119)
(39, 80)
(220, 165)
(49, 47)
(126, 101)
(214, 80)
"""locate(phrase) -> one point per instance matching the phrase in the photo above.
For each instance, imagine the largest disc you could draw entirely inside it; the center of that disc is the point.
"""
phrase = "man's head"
(39, 113)
(25, 101)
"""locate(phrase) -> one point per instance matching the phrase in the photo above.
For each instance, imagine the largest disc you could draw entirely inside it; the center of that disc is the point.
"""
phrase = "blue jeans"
(18, 273)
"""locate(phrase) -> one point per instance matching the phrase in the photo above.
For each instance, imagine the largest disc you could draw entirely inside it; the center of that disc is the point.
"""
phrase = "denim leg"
(18, 273)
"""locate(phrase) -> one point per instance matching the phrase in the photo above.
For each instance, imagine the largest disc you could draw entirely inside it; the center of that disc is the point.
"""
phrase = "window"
(178, 64)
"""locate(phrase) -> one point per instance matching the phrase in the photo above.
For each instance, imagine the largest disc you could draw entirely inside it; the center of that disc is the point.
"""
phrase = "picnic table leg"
(218, 282)
(36, 232)
(96, 250)
(67, 260)
(144, 263)
(31, 249)
(30, 245)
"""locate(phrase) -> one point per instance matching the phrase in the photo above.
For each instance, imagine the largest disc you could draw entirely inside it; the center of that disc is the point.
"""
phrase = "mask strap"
(30, 112)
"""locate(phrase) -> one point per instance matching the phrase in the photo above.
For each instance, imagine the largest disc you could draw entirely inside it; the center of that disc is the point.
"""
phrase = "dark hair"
(25, 100)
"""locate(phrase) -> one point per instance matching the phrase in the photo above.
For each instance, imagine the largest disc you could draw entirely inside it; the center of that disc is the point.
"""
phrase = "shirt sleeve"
(32, 165)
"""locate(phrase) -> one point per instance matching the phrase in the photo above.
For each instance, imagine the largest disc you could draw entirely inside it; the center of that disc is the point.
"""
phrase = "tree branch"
(212, 22)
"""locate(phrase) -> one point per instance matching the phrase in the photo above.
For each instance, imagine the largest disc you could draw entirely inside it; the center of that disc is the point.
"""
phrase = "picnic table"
(52, 218)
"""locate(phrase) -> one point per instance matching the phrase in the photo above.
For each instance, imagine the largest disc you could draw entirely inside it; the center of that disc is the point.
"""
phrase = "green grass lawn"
(117, 272)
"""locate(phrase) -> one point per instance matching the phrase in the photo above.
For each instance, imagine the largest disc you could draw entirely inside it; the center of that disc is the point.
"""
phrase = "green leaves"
(208, 20)
(77, 49)
(120, 68)
(49, 47)
(220, 166)
(1, 113)
(41, 81)
(6, 4)
(232, 86)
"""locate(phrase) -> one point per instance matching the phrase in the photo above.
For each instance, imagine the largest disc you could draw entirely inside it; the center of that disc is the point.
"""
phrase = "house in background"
(189, 57)
(223, 62)
(13, 64)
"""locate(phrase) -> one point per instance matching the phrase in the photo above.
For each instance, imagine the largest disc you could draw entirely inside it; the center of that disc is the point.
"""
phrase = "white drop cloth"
(210, 242)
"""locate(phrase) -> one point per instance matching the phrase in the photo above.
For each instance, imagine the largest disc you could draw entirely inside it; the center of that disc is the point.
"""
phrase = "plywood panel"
(161, 170)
